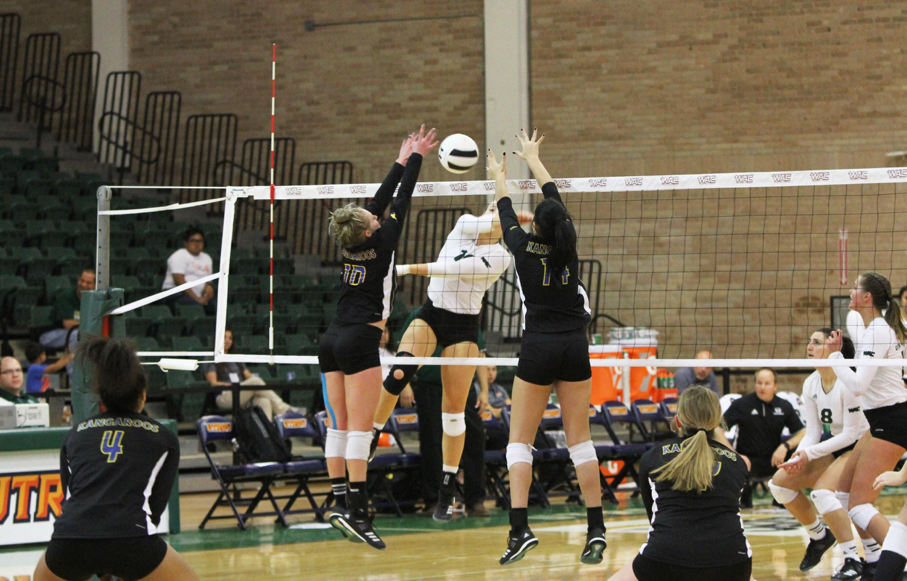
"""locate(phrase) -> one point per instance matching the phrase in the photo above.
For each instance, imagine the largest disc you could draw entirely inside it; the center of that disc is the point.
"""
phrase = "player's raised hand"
(530, 145)
(834, 341)
(424, 142)
(496, 169)
(405, 150)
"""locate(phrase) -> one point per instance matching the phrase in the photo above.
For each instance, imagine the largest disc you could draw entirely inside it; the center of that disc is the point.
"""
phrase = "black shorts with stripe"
(889, 423)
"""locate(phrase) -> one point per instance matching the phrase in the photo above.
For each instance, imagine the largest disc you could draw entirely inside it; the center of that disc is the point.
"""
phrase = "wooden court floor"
(468, 548)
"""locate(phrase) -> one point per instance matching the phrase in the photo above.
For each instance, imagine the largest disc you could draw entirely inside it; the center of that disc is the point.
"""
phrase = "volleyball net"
(745, 265)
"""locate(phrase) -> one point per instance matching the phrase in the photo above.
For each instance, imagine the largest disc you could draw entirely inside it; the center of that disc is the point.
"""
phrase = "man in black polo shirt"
(762, 417)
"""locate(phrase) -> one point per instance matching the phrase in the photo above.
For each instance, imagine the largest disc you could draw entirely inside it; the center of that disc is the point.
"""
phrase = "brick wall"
(347, 92)
(665, 87)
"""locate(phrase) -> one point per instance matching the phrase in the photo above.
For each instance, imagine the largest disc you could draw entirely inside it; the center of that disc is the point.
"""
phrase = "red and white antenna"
(271, 236)
(842, 255)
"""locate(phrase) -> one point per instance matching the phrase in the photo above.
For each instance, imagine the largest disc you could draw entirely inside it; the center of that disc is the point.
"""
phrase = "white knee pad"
(453, 424)
(582, 453)
(781, 494)
(335, 444)
(862, 514)
(825, 501)
(517, 453)
(357, 445)
(896, 540)
(843, 498)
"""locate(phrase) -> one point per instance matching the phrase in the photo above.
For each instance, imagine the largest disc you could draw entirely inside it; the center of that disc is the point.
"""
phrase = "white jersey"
(836, 416)
(878, 386)
(464, 271)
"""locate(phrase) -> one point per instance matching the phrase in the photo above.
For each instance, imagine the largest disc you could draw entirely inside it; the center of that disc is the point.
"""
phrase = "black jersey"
(548, 307)
(369, 278)
(694, 529)
(117, 471)
(761, 424)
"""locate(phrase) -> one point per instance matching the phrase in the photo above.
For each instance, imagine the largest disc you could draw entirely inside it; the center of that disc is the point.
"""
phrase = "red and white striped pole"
(842, 255)
(271, 301)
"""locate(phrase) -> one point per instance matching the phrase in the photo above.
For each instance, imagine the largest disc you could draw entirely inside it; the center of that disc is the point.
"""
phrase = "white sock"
(871, 550)
(850, 550)
(816, 530)
(377, 426)
(451, 469)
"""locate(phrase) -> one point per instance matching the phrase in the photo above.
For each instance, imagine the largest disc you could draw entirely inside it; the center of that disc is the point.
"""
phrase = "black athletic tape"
(396, 386)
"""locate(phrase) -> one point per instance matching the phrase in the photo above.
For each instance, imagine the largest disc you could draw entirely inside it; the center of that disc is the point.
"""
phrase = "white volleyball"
(458, 153)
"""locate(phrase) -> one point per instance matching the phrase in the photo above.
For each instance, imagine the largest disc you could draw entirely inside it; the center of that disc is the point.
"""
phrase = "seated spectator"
(498, 399)
(12, 381)
(688, 376)
(65, 314)
(762, 417)
(36, 377)
(230, 373)
(189, 264)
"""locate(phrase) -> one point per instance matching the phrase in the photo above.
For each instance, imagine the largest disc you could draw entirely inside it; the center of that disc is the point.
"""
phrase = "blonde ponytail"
(347, 225)
(692, 469)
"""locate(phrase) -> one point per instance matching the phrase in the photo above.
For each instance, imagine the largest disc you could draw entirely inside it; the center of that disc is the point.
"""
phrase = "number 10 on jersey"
(546, 274)
(353, 275)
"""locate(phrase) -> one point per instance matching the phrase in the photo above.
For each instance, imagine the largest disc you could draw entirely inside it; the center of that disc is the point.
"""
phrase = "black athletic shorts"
(548, 357)
(450, 328)
(130, 558)
(889, 423)
(349, 348)
(838, 453)
(647, 569)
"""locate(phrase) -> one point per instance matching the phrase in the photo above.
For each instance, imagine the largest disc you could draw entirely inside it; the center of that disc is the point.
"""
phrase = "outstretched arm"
(466, 268)
(385, 192)
(422, 144)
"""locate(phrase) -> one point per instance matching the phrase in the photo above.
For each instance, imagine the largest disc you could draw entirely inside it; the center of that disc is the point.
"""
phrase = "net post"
(102, 249)
(226, 244)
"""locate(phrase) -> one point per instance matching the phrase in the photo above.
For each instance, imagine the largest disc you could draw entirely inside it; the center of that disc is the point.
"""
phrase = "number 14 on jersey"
(546, 274)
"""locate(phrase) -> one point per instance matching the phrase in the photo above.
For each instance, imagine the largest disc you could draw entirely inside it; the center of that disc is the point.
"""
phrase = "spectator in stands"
(12, 381)
(36, 377)
(902, 295)
(189, 264)
(762, 417)
(498, 399)
(65, 313)
(231, 373)
(687, 376)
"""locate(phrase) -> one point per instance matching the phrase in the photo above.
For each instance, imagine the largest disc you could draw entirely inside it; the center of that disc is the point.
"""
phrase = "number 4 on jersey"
(112, 444)
(546, 275)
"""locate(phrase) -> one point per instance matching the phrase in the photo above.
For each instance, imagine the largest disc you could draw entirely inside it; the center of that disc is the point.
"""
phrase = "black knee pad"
(395, 386)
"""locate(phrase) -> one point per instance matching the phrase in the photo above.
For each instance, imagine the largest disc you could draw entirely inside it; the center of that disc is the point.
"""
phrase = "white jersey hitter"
(470, 262)
(464, 271)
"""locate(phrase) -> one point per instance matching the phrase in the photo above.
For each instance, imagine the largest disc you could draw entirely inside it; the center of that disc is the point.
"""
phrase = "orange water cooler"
(606, 381)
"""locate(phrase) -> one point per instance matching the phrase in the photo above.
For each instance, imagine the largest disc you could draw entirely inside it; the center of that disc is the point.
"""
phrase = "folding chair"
(293, 425)
(219, 428)
(669, 407)
(615, 412)
(648, 411)
(560, 457)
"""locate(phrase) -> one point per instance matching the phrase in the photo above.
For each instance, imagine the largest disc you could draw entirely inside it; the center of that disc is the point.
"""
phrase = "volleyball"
(458, 153)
